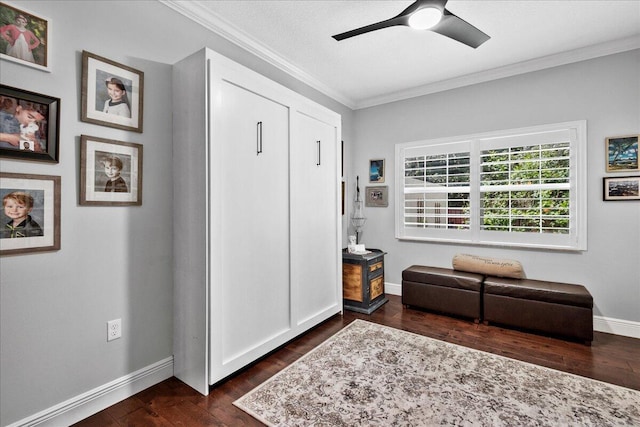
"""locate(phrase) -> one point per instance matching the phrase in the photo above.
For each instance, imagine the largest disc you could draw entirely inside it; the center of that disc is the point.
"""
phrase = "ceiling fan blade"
(460, 30)
(398, 20)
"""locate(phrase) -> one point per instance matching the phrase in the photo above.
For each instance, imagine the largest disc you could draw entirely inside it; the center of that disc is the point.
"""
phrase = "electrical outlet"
(114, 329)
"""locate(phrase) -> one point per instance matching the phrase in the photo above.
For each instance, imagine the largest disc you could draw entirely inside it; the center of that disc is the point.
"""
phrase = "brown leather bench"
(443, 290)
(561, 309)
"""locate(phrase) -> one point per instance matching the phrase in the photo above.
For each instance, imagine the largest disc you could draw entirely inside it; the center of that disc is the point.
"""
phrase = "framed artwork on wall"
(112, 93)
(24, 37)
(110, 172)
(29, 125)
(376, 171)
(30, 217)
(621, 188)
(622, 153)
(377, 196)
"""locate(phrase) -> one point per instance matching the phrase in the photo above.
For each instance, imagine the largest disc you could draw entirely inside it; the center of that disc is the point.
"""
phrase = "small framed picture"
(377, 196)
(622, 153)
(30, 213)
(621, 188)
(29, 125)
(110, 172)
(376, 171)
(112, 93)
(25, 37)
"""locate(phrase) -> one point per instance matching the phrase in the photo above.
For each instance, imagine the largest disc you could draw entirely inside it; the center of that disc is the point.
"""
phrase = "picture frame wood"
(376, 171)
(34, 49)
(39, 230)
(112, 93)
(29, 125)
(377, 197)
(622, 153)
(110, 172)
(621, 188)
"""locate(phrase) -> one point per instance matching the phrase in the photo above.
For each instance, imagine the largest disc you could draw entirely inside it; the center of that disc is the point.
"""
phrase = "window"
(521, 187)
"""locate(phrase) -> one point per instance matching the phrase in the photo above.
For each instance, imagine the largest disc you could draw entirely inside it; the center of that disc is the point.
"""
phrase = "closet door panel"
(314, 216)
(191, 308)
(252, 133)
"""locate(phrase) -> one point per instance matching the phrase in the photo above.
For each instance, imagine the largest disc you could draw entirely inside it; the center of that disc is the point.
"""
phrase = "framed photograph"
(30, 213)
(376, 171)
(110, 172)
(622, 153)
(377, 196)
(112, 93)
(32, 49)
(621, 188)
(29, 125)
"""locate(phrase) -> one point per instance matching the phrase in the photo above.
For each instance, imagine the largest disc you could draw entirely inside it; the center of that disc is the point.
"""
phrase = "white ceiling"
(399, 62)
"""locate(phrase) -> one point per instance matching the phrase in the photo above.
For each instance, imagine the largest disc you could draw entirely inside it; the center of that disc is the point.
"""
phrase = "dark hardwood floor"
(610, 358)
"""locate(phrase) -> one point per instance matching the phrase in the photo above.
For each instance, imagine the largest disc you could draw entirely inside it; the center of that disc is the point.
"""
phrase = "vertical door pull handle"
(318, 163)
(259, 138)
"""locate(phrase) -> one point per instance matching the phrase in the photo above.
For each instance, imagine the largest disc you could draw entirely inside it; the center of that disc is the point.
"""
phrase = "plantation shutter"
(521, 187)
(437, 190)
(526, 187)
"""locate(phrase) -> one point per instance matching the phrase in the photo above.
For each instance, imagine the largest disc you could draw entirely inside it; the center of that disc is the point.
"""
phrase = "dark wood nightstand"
(363, 281)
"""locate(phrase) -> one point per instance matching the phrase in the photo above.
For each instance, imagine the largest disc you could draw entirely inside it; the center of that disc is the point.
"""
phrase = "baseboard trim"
(609, 325)
(392, 288)
(86, 404)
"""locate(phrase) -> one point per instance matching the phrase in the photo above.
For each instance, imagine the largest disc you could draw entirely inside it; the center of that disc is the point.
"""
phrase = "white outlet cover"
(114, 329)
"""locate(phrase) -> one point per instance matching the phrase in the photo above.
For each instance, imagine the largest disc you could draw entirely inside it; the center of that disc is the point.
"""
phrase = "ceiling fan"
(428, 15)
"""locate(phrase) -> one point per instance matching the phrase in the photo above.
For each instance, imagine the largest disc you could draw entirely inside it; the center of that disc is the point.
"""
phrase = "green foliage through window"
(534, 195)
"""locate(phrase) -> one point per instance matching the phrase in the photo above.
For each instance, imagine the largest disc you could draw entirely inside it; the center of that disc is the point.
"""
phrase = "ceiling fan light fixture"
(425, 18)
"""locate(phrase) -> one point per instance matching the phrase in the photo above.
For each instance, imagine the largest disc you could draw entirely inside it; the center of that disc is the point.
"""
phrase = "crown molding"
(564, 58)
(197, 12)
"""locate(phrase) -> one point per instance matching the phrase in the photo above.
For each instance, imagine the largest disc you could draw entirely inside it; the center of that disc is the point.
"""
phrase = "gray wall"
(115, 262)
(604, 91)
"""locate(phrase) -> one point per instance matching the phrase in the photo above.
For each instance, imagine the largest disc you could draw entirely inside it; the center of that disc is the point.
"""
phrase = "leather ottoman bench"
(443, 290)
(554, 308)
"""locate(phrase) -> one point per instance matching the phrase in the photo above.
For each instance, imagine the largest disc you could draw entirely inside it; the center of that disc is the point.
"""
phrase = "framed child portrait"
(112, 93)
(29, 125)
(24, 37)
(110, 172)
(30, 217)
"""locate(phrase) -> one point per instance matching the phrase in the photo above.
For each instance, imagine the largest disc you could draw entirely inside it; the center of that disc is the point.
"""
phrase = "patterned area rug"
(373, 375)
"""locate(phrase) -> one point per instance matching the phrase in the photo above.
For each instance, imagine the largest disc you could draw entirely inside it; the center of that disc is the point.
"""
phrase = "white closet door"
(250, 279)
(314, 207)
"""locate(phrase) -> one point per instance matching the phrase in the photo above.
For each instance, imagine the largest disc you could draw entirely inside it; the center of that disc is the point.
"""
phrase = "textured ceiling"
(399, 62)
